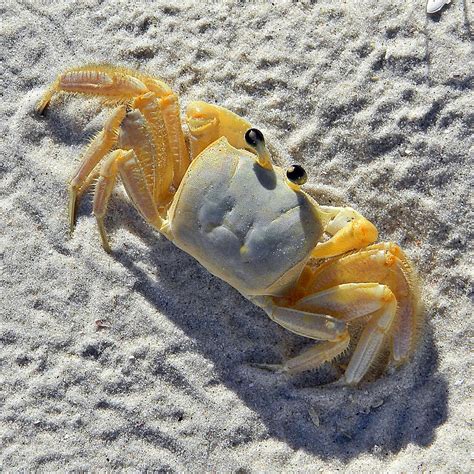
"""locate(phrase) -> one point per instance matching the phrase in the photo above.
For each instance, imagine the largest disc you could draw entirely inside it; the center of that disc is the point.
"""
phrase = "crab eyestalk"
(254, 138)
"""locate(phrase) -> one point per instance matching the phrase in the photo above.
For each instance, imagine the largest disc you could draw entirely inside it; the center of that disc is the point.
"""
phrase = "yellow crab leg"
(370, 342)
(347, 301)
(317, 355)
(98, 148)
(305, 323)
(103, 190)
(118, 84)
(135, 185)
(178, 152)
(126, 163)
(135, 135)
(150, 108)
(386, 264)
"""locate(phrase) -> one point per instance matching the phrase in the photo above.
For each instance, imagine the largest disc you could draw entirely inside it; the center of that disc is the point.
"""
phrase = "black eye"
(253, 137)
(296, 174)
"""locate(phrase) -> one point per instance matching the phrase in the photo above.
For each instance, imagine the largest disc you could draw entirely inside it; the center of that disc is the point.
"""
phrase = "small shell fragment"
(433, 6)
(101, 324)
(378, 402)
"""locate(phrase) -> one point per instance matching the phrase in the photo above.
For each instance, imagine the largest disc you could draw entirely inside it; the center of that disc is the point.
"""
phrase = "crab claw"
(208, 122)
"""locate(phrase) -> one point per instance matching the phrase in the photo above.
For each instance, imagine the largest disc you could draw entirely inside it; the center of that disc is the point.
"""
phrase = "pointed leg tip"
(41, 109)
(72, 222)
(103, 234)
(42, 105)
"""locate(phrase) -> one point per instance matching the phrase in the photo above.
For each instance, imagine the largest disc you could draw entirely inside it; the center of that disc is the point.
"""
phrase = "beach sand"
(375, 99)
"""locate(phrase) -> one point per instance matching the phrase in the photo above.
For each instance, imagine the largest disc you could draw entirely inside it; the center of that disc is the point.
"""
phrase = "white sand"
(374, 99)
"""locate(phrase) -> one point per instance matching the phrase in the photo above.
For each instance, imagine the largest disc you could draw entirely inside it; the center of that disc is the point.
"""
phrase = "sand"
(375, 100)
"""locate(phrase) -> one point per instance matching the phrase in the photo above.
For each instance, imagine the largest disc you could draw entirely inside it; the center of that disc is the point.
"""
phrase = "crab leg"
(103, 190)
(151, 109)
(384, 263)
(121, 85)
(305, 323)
(126, 164)
(349, 230)
(114, 83)
(346, 302)
(135, 185)
(178, 152)
(370, 342)
(366, 351)
(317, 355)
(135, 135)
(99, 147)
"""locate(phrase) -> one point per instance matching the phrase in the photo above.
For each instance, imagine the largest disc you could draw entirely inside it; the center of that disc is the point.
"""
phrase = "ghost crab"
(215, 193)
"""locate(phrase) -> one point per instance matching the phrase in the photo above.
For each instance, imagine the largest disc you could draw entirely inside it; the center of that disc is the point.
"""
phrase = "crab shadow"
(306, 411)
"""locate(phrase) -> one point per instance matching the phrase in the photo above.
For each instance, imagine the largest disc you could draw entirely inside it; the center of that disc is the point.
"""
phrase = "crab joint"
(254, 138)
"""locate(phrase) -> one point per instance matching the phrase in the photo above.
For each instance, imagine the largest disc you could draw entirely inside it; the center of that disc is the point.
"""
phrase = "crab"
(213, 191)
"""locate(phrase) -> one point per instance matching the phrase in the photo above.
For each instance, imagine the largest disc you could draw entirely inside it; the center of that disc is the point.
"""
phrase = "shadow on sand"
(381, 417)
(305, 411)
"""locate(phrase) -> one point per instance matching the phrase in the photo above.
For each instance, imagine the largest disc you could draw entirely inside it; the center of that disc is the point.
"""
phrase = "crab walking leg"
(135, 135)
(178, 151)
(402, 279)
(126, 163)
(348, 301)
(114, 83)
(150, 108)
(317, 355)
(384, 263)
(99, 147)
(91, 179)
(135, 184)
(349, 230)
(103, 190)
(304, 323)
(370, 342)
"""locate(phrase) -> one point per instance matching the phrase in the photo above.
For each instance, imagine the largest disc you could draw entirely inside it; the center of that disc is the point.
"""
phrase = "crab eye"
(296, 174)
(254, 137)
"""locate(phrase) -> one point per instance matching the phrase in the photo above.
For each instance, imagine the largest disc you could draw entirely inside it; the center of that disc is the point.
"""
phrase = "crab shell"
(244, 223)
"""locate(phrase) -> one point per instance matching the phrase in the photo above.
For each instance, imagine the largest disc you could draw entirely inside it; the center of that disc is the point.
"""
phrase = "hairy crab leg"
(386, 264)
(131, 172)
(116, 84)
(373, 335)
(122, 85)
(345, 303)
(125, 163)
(151, 109)
(169, 105)
(98, 148)
(135, 135)
(137, 190)
(152, 130)
(103, 190)
(317, 355)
